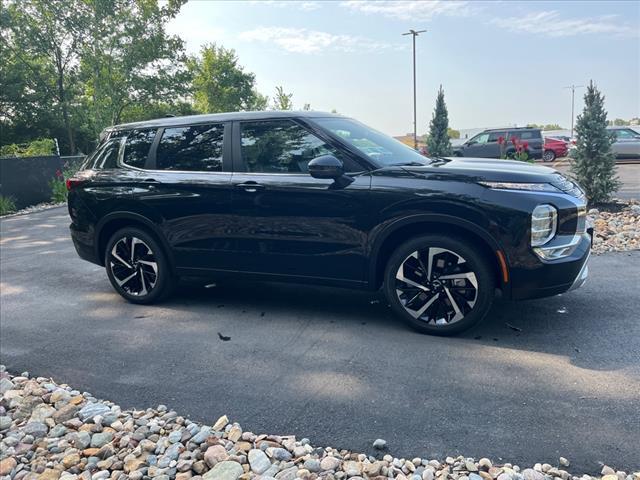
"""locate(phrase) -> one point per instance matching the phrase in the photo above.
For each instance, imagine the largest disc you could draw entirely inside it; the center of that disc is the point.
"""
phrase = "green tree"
(220, 84)
(619, 122)
(41, 38)
(453, 133)
(549, 126)
(438, 143)
(129, 60)
(594, 164)
(282, 100)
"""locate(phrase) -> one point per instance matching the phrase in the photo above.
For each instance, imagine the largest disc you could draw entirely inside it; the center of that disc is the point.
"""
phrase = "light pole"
(573, 95)
(414, 34)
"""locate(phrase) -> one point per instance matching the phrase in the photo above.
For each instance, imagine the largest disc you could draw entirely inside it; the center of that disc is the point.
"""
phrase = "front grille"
(568, 186)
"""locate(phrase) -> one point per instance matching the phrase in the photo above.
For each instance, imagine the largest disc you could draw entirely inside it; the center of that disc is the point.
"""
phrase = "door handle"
(149, 180)
(250, 187)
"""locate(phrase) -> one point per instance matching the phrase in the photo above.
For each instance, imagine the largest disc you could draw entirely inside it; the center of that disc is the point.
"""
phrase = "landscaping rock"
(50, 432)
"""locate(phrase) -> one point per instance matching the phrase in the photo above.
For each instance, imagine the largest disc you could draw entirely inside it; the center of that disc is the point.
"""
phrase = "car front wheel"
(137, 266)
(440, 285)
(549, 156)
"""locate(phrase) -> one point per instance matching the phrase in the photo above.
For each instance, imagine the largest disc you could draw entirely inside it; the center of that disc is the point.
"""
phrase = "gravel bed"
(53, 432)
(616, 231)
(34, 208)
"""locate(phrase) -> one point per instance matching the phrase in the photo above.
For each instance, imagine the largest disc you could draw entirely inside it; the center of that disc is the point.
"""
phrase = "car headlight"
(532, 187)
(544, 221)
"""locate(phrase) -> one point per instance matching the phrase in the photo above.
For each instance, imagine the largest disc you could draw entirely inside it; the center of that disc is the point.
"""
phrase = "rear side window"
(193, 148)
(495, 136)
(526, 134)
(136, 149)
(107, 156)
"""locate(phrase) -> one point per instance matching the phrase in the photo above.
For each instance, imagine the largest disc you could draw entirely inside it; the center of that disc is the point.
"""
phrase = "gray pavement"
(335, 365)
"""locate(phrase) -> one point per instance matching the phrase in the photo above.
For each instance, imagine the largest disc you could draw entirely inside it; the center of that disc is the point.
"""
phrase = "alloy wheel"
(436, 286)
(548, 156)
(134, 266)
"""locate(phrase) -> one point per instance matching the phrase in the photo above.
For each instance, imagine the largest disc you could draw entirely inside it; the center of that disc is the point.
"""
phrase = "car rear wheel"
(439, 285)
(137, 266)
(549, 156)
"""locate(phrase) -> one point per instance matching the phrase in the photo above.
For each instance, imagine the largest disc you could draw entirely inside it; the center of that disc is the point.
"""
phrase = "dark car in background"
(486, 144)
(309, 197)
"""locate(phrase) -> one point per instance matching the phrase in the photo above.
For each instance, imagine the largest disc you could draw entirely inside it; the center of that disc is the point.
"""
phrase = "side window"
(525, 134)
(494, 136)
(282, 146)
(107, 157)
(624, 134)
(194, 148)
(481, 139)
(137, 147)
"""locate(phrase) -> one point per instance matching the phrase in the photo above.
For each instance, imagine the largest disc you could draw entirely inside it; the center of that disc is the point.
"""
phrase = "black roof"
(220, 117)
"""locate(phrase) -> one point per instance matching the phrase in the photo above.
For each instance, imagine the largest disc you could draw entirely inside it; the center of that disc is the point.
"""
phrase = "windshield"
(381, 149)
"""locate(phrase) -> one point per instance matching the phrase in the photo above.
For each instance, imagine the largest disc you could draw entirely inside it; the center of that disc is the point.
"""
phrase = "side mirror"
(326, 166)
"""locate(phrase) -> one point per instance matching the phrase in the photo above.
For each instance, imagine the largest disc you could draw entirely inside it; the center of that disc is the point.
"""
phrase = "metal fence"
(27, 179)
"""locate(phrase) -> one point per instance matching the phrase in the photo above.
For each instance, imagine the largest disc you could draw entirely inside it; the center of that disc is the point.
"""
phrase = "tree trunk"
(62, 97)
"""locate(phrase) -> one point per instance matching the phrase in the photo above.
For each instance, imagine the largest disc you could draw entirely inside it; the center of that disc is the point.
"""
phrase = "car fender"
(395, 225)
(136, 218)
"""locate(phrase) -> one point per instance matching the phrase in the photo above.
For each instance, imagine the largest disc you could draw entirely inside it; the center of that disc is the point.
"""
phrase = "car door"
(492, 147)
(627, 143)
(287, 222)
(476, 146)
(185, 188)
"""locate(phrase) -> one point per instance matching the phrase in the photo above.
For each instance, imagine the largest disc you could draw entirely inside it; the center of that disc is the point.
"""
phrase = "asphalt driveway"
(335, 365)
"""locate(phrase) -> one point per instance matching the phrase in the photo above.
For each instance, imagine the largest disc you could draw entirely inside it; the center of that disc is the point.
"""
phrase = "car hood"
(487, 169)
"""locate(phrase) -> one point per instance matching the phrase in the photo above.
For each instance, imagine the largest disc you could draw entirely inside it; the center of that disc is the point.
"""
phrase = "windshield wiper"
(409, 164)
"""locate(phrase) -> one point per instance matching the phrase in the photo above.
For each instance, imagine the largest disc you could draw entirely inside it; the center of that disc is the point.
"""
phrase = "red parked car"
(554, 148)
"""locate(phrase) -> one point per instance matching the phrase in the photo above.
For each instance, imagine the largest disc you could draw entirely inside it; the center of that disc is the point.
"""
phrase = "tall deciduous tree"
(220, 84)
(282, 100)
(129, 59)
(438, 143)
(594, 164)
(42, 38)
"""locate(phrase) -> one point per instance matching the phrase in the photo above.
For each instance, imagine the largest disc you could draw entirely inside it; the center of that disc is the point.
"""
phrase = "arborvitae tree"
(594, 164)
(438, 143)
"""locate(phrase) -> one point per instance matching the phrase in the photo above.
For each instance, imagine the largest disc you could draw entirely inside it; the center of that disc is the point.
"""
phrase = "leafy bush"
(36, 148)
(520, 153)
(59, 183)
(7, 205)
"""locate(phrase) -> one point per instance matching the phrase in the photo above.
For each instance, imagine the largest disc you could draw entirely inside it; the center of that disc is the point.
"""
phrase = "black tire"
(439, 318)
(548, 156)
(158, 282)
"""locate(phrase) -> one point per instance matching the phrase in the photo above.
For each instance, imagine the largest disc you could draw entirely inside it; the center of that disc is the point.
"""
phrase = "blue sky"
(500, 63)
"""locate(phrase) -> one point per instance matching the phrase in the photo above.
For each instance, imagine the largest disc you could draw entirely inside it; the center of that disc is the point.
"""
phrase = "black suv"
(320, 198)
(487, 144)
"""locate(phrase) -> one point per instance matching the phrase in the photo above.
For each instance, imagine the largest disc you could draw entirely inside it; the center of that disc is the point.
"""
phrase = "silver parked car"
(627, 142)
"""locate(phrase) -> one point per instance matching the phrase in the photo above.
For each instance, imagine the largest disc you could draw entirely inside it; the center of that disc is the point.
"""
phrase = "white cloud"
(302, 40)
(302, 5)
(551, 23)
(410, 10)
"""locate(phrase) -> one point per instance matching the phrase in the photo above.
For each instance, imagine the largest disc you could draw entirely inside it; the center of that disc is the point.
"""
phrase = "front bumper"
(544, 279)
(582, 276)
